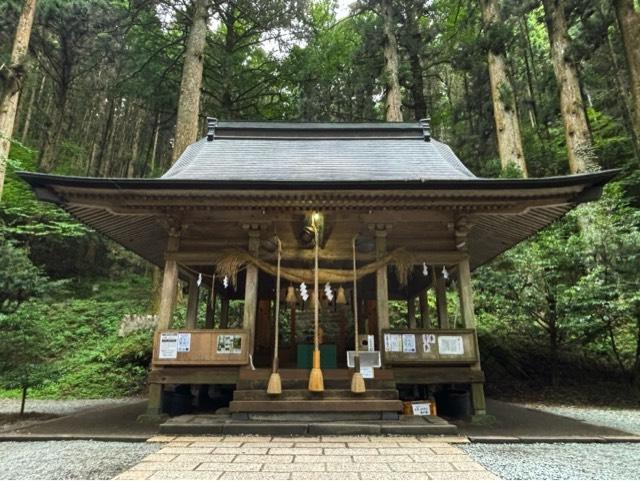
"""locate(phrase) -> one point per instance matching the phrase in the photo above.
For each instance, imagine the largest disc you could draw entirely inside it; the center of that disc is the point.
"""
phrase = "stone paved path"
(321, 457)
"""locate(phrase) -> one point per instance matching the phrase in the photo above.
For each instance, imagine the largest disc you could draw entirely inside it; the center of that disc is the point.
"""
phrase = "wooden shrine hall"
(295, 241)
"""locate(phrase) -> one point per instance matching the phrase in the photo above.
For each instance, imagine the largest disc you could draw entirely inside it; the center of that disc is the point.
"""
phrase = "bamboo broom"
(357, 381)
(316, 381)
(274, 387)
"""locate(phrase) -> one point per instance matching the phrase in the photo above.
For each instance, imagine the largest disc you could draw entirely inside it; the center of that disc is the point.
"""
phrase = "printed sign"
(421, 409)
(229, 344)
(408, 343)
(168, 345)
(427, 341)
(367, 372)
(451, 345)
(393, 342)
(184, 341)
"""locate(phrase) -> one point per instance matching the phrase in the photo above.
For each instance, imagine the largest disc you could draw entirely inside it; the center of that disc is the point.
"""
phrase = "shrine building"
(257, 220)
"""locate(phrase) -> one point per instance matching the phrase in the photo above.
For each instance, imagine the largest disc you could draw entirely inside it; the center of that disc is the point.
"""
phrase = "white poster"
(367, 372)
(168, 345)
(393, 342)
(229, 344)
(408, 343)
(184, 341)
(421, 409)
(427, 341)
(452, 345)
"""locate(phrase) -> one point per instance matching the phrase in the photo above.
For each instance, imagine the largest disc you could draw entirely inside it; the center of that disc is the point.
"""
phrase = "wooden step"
(342, 405)
(304, 394)
(300, 384)
(327, 374)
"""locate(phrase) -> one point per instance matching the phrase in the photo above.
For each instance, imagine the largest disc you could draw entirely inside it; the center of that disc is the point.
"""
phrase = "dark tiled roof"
(318, 152)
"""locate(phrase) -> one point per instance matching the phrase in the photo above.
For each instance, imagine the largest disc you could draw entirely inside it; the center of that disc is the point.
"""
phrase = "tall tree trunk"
(393, 96)
(189, 102)
(629, 23)
(13, 79)
(576, 127)
(413, 43)
(505, 111)
(35, 92)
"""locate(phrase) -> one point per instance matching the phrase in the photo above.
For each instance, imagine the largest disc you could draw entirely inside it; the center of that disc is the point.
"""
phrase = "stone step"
(342, 405)
(304, 394)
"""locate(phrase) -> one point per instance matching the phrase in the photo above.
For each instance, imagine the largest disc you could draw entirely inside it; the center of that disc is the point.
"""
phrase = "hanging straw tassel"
(357, 381)
(275, 383)
(316, 381)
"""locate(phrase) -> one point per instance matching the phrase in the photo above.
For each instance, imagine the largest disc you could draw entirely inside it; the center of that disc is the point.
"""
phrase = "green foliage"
(20, 280)
(573, 287)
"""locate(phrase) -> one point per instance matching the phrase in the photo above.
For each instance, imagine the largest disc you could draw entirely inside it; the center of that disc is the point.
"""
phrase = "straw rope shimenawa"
(230, 261)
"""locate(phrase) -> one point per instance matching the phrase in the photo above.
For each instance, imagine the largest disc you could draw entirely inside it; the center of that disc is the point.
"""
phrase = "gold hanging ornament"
(291, 296)
(340, 296)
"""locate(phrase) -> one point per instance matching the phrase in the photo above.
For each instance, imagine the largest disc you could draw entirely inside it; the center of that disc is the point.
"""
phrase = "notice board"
(201, 347)
(429, 346)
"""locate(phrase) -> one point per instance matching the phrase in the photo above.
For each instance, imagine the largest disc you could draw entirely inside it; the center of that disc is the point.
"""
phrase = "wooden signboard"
(429, 346)
(201, 347)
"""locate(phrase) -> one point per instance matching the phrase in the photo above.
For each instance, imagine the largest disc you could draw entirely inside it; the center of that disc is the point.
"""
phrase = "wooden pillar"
(168, 294)
(466, 295)
(411, 313)
(210, 313)
(441, 297)
(169, 284)
(465, 292)
(192, 304)
(224, 312)
(425, 320)
(382, 285)
(251, 289)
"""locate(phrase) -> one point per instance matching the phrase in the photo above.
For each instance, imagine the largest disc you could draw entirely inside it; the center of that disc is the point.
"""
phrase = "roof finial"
(212, 122)
(426, 128)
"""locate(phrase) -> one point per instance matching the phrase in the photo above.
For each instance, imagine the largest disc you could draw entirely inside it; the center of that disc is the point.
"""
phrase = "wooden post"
(192, 304)
(441, 297)
(169, 288)
(168, 295)
(425, 320)
(466, 295)
(210, 312)
(251, 289)
(382, 286)
(468, 318)
(411, 313)
(224, 312)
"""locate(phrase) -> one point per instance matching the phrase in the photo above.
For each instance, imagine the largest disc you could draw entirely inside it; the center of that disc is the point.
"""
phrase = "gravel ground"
(559, 461)
(60, 407)
(627, 420)
(70, 459)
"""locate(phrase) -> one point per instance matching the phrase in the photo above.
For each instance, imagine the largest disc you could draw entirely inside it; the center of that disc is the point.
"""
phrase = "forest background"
(118, 88)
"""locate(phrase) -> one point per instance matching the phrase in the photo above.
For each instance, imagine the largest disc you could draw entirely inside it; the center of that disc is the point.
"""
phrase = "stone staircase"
(297, 403)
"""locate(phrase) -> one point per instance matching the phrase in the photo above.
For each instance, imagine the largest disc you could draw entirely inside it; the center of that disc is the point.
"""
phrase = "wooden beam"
(205, 256)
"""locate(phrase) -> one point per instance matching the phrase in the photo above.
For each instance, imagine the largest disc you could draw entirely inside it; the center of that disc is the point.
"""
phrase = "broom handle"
(355, 299)
(315, 295)
(275, 350)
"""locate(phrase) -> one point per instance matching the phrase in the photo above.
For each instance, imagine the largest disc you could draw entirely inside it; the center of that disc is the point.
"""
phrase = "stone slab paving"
(313, 457)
